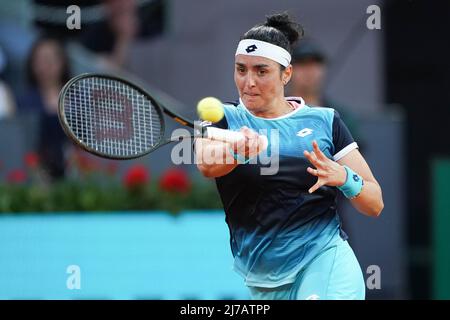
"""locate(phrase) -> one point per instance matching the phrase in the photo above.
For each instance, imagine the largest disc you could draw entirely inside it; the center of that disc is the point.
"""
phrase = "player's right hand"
(251, 145)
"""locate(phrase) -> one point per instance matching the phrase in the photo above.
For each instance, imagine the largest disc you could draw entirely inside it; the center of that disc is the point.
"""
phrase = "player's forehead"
(254, 61)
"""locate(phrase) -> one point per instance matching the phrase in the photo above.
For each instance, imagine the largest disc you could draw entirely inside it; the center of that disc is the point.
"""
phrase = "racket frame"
(158, 107)
(229, 136)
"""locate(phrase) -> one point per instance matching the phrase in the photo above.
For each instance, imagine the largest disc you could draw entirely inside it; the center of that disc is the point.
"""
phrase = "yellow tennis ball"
(210, 109)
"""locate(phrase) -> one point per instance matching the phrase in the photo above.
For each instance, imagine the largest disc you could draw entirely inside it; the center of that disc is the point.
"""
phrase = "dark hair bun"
(283, 22)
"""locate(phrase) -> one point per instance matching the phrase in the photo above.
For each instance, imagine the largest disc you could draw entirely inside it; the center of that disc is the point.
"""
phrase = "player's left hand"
(329, 172)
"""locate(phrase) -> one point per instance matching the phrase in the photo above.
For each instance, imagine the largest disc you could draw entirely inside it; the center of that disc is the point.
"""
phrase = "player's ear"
(286, 74)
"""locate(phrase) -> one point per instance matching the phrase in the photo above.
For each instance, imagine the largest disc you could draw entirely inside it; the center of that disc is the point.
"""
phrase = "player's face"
(259, 82)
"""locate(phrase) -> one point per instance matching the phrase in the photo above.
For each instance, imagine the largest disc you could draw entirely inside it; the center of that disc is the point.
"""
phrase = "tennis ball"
(210, 109)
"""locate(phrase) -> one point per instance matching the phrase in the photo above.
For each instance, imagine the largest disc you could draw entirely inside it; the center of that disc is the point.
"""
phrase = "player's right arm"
(215, 158)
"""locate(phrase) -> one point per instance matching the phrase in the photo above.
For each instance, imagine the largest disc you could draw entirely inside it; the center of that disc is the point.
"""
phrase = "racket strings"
(112, 117)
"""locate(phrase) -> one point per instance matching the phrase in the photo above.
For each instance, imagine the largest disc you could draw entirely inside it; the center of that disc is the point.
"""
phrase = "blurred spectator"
(47, 72)
(113, 37)
(7, 102)
(16, 38)
(308, 79)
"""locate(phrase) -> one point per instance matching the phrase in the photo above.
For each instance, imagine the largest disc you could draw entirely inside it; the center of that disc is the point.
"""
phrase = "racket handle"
(230, 136)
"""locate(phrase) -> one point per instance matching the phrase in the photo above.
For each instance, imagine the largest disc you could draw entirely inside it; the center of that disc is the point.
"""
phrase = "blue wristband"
(353, 185)
(240, 159)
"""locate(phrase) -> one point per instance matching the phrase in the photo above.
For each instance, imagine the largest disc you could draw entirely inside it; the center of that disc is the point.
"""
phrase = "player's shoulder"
(322, 112)
(230, 105)
(325, 110)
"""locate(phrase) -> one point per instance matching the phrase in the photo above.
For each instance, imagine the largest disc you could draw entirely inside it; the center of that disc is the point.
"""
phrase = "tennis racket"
(116, 119)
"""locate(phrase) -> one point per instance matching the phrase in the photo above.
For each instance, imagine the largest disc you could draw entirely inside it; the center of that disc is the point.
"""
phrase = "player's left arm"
(370, 200)
(332, 173)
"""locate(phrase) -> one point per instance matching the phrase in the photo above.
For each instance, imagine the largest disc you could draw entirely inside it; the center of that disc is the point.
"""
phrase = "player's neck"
(279, 107)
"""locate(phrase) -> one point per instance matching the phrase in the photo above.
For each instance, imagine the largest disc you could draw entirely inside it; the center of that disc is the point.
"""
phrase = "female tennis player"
(285, 230)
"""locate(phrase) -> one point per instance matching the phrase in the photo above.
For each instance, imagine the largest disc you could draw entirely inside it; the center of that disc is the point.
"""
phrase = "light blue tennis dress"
(287, 243)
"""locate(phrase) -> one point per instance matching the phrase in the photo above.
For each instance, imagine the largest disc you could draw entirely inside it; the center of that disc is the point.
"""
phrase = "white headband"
(259, 48)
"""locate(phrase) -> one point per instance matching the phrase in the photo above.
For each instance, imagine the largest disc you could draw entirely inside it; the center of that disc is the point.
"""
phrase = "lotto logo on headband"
(251, 48)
